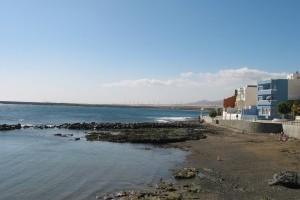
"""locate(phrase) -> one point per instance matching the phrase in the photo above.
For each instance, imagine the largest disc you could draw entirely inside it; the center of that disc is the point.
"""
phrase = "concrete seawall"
(250, 126)
(292, 130)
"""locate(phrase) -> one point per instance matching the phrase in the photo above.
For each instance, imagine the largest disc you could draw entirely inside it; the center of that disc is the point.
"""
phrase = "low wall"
(250, 126)
(291, 130)
(207, 119)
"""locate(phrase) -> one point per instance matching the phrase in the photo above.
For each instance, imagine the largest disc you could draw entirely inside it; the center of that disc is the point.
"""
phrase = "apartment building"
(273, 91)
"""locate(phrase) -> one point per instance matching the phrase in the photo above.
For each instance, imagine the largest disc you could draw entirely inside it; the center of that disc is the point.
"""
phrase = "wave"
(26, 125)
(171, 119)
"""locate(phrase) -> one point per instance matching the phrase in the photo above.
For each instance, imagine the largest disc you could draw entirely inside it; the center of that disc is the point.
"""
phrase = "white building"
(246, 97)
(294, 76)
(245, 104)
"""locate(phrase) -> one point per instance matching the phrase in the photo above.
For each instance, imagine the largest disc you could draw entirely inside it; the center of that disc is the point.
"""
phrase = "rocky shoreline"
(162, 190)
(147, 135)
(105, 126)
(228, 165)
(146, 132)
(221, 162)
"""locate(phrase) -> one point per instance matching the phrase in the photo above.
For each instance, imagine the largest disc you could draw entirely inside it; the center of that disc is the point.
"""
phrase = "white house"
(246, 97)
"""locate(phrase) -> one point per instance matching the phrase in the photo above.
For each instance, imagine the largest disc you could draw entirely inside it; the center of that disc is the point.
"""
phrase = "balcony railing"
(269, 89)
(266, 102)
(267, 92)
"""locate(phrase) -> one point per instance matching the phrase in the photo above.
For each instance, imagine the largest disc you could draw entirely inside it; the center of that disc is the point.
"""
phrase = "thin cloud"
(222, 78)
(187, 74)
(140, 83)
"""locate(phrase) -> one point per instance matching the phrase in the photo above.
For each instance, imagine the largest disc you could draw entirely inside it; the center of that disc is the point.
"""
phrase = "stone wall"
(292, 130)
(250, 126)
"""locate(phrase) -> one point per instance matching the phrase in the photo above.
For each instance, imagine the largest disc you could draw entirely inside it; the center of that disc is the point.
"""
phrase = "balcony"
(266, 92)
(266, 102)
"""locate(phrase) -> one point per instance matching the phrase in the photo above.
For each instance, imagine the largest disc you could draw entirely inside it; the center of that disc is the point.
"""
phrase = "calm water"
(34, 164)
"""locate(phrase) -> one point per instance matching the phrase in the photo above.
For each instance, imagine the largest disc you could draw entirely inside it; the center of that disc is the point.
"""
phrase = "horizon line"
(182, 105)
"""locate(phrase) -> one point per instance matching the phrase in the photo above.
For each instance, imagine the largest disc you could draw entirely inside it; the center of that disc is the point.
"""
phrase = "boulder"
(186, 173)
(286, 178)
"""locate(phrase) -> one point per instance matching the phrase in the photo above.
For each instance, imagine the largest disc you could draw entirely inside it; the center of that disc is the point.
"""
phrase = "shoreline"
(233, 165)
(238, 165)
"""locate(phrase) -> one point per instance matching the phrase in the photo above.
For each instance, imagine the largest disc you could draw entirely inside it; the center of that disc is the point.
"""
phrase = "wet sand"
(247, 161)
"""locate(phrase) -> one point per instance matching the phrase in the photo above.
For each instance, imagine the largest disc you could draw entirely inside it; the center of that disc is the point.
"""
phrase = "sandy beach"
(247, 161)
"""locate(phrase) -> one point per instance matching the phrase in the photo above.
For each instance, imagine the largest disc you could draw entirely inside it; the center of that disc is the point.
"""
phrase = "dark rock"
(63, 135)
(7, 127)
(186, 173)
(104, 126)
(286, 178)
(164, 187)
(148, 135)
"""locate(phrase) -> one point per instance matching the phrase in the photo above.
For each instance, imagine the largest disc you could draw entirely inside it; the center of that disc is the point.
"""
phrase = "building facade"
(269, 94)
(294, 75)
(246, 96)
(229, 106)
(273, 91)
(230, 101)
(242, 104)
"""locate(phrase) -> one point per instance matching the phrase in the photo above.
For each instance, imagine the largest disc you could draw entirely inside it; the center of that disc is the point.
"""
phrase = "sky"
(143, 52)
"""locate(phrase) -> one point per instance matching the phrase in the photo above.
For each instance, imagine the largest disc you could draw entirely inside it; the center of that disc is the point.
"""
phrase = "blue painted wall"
(277, 90)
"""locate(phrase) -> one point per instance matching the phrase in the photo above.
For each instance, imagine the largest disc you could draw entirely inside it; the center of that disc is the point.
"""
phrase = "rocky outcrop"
(186, 173)
(148, 135)
(164, 190)
(109, 126)
(7, 127)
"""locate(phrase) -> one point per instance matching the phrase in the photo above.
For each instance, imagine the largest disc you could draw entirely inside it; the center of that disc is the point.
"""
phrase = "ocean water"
(35, 164)
(46, 114)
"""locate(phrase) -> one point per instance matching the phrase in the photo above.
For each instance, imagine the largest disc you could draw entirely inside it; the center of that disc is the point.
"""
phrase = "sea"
(35, 164)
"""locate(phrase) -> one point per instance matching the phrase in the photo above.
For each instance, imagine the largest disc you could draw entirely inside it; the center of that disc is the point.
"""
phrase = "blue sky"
(137, 51)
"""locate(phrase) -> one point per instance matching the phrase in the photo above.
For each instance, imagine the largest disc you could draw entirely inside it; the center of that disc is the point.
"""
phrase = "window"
(259, 98)
(266, 111)
(267, 86)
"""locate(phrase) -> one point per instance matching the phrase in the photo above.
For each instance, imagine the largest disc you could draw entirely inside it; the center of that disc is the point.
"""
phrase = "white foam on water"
(26, 125)
(171, 119)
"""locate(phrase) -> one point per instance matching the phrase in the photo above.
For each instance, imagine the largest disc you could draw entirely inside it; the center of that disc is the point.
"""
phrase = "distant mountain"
(218, 103)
